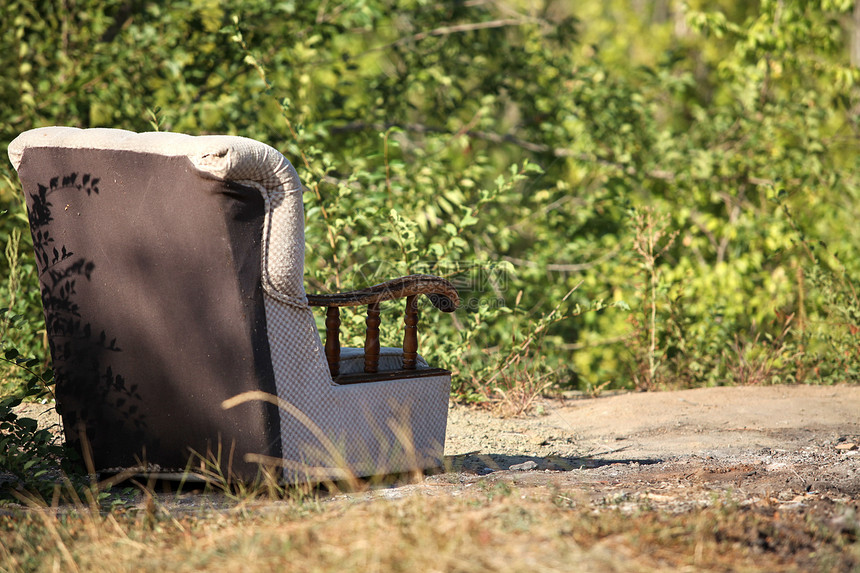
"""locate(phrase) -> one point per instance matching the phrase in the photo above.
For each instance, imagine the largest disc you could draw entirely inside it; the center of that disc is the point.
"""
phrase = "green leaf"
(468, 220)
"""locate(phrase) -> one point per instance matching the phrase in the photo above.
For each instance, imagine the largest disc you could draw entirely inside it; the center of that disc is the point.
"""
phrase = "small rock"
(820, 486)
(846, 446)
(525, 466)
(794, 505)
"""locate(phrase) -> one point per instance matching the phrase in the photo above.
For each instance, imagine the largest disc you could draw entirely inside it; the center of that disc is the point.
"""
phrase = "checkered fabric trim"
(252, 163)
(332, 432)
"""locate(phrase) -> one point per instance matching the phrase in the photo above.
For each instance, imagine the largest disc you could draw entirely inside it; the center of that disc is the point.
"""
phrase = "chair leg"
(410, 334)
(371, 341)
(332, 339)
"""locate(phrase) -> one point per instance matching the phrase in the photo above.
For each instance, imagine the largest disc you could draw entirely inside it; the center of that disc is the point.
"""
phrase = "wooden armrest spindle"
(410, 334)
(371, 340)
(332, 339)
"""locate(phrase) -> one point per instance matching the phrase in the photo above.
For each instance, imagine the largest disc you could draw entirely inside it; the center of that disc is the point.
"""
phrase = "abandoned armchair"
(171, 273)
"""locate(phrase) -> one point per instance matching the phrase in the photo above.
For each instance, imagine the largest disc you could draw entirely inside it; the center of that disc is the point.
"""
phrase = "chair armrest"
(441, 293)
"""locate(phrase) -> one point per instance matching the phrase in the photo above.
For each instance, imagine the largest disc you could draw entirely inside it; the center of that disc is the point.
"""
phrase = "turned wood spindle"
(410, 334)
(332, 339)
(371, 340)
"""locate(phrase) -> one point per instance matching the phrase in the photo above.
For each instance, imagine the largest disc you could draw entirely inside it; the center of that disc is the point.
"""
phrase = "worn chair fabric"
(171, 275)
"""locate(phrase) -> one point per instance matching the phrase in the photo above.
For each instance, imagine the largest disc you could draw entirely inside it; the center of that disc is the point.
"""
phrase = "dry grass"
(439, 525)
(484, 527)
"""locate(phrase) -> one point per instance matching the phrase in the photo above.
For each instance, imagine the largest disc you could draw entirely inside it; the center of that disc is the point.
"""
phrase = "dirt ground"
(788, 445)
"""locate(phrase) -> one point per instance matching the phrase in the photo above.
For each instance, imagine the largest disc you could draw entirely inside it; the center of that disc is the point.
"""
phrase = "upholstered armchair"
(181, 335)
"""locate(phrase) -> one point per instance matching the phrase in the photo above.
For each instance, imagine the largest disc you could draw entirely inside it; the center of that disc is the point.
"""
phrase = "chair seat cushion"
(352, 360)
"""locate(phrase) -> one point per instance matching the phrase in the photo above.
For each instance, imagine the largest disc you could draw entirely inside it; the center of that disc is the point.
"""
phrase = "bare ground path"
(781, 441)
(793, 444)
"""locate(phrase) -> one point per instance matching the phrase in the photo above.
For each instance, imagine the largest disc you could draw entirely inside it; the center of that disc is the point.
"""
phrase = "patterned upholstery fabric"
(321, 430)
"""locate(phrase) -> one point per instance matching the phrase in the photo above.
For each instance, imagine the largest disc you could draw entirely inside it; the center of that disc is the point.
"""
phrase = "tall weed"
(651, 238)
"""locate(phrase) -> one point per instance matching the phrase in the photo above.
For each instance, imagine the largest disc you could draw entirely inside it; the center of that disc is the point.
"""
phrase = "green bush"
(514, 149)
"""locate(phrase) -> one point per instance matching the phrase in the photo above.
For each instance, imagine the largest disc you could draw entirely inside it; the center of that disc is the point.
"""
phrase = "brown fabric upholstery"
(194, 319)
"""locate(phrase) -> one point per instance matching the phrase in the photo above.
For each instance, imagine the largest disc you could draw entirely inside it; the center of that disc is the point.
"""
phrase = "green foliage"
(30, 458)
(506, 146)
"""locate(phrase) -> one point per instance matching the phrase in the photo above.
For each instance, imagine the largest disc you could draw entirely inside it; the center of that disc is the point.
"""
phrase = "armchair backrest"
(105, 207)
